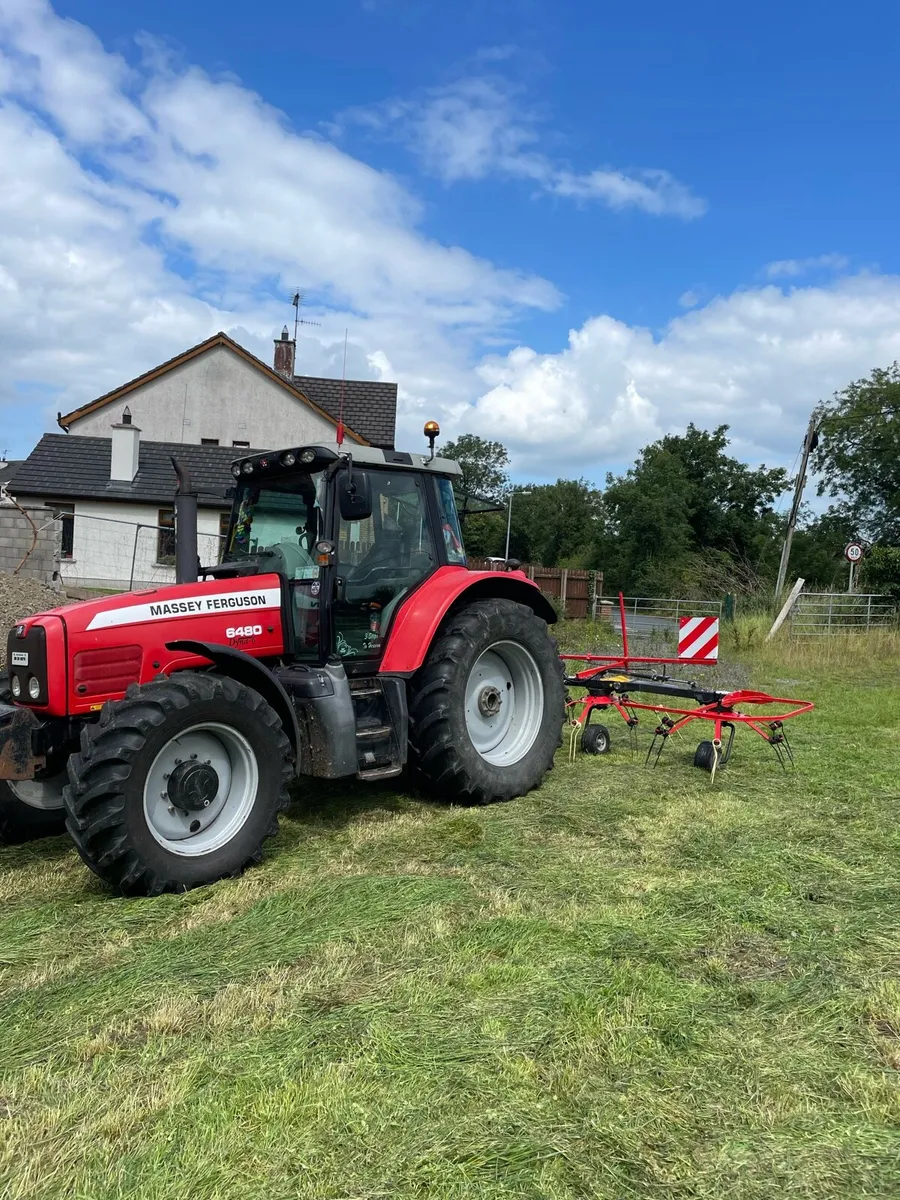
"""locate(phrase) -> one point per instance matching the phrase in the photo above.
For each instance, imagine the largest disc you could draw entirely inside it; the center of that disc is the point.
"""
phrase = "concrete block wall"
(16, 537)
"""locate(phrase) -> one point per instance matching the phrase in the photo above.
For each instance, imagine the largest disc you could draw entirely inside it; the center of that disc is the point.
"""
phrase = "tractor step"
(364, 691)
(377, 773)
(374, 731)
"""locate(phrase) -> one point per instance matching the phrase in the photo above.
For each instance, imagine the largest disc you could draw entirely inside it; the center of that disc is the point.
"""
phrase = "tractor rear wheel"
(178, 784)
(486, 708)
(31, 808)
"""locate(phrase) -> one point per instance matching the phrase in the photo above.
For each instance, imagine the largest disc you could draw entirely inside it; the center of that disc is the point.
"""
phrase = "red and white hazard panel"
(698, 638)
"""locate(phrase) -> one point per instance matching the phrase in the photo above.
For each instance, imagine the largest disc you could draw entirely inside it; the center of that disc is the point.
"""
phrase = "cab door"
(380, 560)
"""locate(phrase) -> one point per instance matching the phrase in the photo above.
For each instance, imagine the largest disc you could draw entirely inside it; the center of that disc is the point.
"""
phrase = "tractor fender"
(246, 670)
(418, 618)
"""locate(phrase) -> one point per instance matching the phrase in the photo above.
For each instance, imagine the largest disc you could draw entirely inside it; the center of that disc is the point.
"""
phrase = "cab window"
(450, 531)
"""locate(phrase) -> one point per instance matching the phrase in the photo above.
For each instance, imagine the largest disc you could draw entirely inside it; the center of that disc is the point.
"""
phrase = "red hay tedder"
(611, 681)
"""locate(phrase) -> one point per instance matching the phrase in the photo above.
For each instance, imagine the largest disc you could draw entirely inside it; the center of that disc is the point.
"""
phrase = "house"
(99, 497)
(219, 394)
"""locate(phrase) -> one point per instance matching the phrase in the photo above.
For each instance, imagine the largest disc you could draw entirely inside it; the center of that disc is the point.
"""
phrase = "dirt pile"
(20, 598)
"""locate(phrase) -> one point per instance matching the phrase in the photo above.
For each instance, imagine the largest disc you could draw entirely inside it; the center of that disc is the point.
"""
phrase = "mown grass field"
(630, 983)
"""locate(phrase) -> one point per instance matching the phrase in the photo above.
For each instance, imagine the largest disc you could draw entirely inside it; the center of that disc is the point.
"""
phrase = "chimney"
(285, 349)
(126, 444)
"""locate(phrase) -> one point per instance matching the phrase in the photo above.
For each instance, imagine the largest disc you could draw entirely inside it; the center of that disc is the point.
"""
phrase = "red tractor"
(341, 635)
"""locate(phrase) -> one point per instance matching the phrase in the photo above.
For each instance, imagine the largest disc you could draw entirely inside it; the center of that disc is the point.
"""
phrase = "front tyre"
(178, 784)
(486, 708)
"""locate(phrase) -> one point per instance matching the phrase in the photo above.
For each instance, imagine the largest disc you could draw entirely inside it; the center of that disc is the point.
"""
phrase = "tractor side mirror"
(355, 496)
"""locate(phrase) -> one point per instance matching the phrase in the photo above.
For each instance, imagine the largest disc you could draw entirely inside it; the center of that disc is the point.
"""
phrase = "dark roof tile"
(369, 407)
(78, 467)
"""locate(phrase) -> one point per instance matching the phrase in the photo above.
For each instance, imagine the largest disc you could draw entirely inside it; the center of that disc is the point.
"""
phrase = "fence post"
(729, 606)
(677, 610)
(137, 533)
(830, 610)
(563, 588)
(868, 613)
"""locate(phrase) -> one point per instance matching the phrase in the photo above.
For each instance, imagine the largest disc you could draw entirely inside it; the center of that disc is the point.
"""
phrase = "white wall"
(115, 543)
(216, 395)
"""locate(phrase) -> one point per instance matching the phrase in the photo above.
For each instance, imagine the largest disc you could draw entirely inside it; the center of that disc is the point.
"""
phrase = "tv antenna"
(297, 300)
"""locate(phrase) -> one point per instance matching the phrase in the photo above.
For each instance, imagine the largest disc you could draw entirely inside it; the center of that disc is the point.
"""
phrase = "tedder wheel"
(32, 808)
(705, 756)
(595, 740)
(486, 708)
(178, 784)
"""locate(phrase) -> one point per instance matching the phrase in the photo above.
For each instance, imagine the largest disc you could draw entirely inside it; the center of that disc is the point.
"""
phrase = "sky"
(567, 225)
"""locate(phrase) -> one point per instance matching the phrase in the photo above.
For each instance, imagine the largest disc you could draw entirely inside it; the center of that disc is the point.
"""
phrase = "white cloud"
(689, 299)
(149, 208)
(792, 267)
(758, 360)
(479, 126)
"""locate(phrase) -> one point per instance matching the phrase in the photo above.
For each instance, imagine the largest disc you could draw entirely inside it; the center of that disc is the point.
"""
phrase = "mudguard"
(241, 667)
(417, 620)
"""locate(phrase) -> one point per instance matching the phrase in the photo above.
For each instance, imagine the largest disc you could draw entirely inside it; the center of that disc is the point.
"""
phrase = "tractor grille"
(27, 659)
(102, 672)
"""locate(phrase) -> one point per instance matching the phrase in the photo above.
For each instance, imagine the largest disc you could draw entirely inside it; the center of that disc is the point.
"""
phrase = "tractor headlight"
(247, 468)
(288, 458)
(307, 456)
(34, 687)
(16, 686)
(236, 470)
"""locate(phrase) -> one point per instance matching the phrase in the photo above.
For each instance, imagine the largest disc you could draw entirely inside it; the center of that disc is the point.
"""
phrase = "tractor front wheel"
(178, 784)
(487, 706)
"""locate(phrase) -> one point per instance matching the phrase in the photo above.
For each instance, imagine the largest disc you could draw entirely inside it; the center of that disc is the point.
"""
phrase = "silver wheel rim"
(45, 794)
(214, 817)
(504, 703)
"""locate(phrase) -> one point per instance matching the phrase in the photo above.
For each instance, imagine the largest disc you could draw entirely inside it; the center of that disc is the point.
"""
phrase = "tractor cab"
(351, 534)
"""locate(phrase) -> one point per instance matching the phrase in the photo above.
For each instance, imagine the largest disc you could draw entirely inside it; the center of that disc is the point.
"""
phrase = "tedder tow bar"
(610, 682)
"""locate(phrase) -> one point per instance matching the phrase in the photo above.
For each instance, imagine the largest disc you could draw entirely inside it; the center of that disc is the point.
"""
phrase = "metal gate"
(818, 613)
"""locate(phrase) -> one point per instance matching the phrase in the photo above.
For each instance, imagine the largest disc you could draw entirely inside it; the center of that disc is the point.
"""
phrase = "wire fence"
(654, 616)
(817, 614)
(115, 555)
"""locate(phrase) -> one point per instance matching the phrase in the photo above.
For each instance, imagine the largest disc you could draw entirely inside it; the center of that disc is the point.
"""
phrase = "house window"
(165, 537)
(209, 441)
(243, 445)
(66, 515)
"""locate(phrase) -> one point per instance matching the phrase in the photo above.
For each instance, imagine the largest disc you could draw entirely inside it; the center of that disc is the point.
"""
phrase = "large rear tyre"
(32, 808)
(177, 785)
(486, 708)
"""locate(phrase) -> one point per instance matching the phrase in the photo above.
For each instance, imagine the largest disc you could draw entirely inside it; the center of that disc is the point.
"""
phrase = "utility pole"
(810, 441)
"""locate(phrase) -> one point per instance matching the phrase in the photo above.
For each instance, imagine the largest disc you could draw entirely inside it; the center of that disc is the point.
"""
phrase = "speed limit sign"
(853, 552)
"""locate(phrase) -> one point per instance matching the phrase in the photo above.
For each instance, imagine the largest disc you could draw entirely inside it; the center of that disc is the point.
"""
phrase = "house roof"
(368, 406)
(373, 405)
(78, 468)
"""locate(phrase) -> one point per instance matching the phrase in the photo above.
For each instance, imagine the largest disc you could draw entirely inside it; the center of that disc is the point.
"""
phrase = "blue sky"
(572, 226)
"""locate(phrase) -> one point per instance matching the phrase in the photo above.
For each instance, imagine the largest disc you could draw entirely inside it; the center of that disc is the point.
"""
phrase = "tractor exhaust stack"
(186, 560)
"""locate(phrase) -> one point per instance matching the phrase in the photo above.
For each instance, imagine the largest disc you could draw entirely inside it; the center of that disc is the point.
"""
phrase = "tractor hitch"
(17, 758)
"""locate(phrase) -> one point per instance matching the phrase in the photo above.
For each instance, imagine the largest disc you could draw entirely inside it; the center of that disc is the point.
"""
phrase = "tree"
(684, 511)
(484, 465)
(730, 504)
(858, 455)
(557, 524)
(484, 473)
